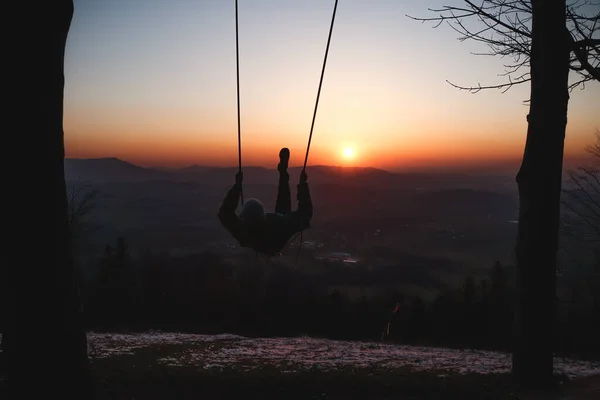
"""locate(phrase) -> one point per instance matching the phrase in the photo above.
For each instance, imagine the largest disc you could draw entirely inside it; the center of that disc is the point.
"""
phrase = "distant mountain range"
(104, 170)
(109, 170)
(177, 208)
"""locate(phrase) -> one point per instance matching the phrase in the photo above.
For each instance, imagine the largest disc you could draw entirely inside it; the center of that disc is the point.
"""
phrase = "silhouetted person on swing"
(264, 232)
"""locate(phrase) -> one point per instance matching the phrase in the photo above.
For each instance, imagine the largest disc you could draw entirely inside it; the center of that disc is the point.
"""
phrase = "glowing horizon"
(153, 83)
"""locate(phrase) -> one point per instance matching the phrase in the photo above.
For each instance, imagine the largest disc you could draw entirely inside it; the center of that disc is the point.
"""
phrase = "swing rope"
(237, 65)
(312, 125)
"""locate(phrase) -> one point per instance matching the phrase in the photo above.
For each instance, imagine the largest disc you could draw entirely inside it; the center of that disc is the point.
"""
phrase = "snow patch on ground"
(304, 353)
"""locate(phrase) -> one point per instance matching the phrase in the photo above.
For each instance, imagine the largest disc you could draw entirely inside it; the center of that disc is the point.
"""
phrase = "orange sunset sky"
(153, 82)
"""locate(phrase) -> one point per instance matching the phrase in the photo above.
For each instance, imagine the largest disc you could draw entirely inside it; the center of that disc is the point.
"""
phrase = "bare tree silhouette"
(504, 26)
(546, 40)
(81, 204)
(581, 223)
(581, 200)
(82, 201)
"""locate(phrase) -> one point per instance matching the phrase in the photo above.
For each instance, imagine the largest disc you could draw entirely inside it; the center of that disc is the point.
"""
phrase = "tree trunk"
(540, 182)
(46, 345)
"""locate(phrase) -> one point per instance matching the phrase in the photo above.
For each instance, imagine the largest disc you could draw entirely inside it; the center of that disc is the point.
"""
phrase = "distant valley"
(115, 170)
(461, 217)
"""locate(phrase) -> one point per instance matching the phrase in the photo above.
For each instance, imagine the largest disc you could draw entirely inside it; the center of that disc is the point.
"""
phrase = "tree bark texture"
(44, 337)
(540, 181)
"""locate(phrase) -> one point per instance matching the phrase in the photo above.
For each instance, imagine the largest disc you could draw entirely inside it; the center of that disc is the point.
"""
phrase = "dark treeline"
(204, 293)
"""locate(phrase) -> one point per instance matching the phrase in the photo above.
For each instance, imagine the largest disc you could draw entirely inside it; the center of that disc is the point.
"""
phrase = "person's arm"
(227, 215)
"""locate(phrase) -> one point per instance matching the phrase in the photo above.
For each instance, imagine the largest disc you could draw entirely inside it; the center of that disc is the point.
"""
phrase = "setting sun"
(145, 101)
(348, 152)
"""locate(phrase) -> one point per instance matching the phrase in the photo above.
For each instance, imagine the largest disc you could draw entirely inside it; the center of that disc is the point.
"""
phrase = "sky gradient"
(153, 82)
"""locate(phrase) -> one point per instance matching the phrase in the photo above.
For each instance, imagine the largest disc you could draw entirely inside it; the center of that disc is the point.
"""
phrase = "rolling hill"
(102, 170)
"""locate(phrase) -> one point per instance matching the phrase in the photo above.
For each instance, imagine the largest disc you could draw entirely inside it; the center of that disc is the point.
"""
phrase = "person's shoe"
(284, 158)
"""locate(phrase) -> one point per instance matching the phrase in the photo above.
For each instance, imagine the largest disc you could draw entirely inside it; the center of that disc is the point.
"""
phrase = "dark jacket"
(272, 236)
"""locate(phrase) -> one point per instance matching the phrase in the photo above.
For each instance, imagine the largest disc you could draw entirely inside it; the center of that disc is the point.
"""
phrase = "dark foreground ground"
(152, 366)
(156, 365)
(189, 384)
(121, 380)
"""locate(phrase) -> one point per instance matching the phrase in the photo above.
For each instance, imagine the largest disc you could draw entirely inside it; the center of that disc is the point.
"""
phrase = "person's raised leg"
(283, 204)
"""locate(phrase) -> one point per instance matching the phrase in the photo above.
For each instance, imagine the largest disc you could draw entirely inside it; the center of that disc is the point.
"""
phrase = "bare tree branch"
(581, 200)
(82, 203)
(504, 86)
(504, 26)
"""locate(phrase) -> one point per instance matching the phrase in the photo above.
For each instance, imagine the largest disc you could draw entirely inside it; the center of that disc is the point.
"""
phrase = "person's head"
(253, 212)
